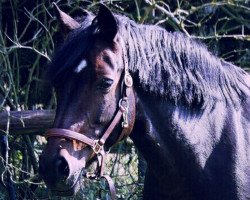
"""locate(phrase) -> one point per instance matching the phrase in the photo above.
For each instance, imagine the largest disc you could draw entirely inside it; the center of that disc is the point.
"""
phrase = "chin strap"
(99, 174)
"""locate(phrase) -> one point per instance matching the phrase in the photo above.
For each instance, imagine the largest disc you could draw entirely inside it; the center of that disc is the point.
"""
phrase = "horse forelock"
(69, 56)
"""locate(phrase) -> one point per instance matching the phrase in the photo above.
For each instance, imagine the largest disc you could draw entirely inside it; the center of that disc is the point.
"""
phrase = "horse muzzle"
(60, 171)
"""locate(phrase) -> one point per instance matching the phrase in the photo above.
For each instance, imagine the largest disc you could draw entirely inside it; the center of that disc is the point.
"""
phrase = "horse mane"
(177, 67)
(168, 65)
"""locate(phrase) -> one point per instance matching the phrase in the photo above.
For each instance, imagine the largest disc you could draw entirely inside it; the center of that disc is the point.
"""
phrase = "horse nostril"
(62, 167)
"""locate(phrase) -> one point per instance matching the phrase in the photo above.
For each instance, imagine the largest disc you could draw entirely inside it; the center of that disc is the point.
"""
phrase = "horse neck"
(186, 142)
(148, 131)
(163, 125)
(150, 135)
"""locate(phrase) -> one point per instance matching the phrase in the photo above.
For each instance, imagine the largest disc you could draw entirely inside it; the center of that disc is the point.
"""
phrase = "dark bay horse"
(187, 111)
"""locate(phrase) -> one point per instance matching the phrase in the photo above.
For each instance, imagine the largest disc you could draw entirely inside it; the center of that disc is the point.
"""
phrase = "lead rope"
(123, 108)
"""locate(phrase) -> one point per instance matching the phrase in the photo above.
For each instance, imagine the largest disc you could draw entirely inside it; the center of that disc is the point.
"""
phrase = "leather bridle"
(98, 145)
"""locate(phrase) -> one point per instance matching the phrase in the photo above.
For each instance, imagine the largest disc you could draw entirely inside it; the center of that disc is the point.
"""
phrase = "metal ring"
(121, 106)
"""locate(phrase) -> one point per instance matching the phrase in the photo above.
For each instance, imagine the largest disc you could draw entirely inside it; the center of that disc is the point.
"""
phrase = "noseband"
(98, 145)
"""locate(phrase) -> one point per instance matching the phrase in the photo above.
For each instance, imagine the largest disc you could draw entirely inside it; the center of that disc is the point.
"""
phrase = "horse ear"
(105, 23)
(66, 22)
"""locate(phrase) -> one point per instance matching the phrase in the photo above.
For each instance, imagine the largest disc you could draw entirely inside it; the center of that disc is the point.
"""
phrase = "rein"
(98, 145)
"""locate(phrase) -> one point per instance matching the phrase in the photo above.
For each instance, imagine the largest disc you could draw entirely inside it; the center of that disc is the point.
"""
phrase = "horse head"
(95, 100)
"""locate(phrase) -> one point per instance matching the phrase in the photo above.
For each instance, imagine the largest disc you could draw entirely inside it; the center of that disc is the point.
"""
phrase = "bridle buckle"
(97, 147)
(125, 119)
(124, 105)
(128, 79)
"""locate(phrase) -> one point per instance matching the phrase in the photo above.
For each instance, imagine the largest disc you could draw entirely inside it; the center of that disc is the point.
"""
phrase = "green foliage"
(28, 38)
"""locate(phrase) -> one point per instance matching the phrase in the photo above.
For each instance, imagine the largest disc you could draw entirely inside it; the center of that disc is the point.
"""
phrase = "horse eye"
(104, 84)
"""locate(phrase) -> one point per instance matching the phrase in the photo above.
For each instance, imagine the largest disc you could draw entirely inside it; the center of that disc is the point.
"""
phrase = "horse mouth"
(69, 191)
